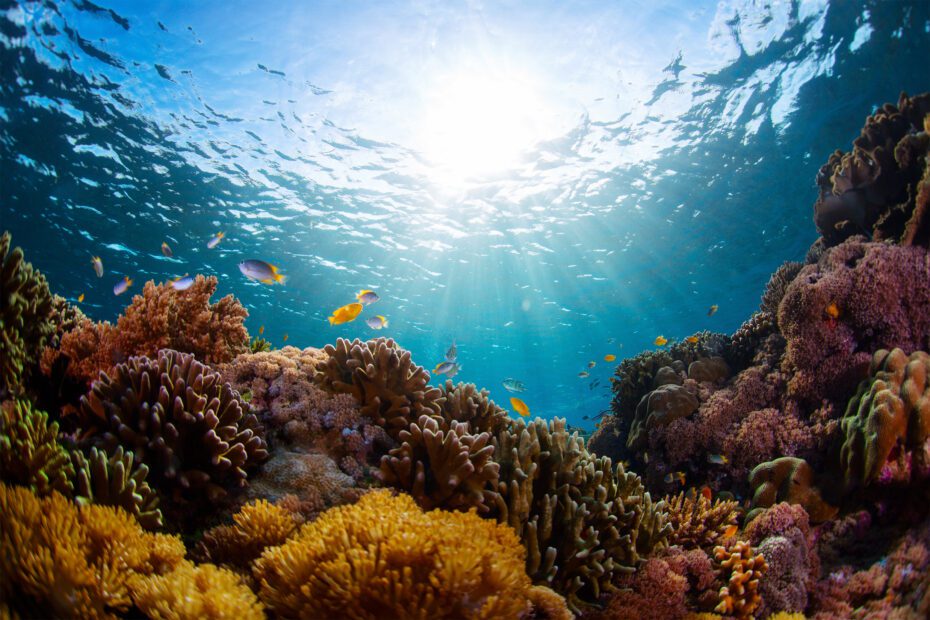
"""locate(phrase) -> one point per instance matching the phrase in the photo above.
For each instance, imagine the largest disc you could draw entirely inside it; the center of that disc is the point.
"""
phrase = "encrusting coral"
(30, 454)
(740, 597)
(385, 558)
(788, 479)
(257, 526)
(61, 560)
(194, 433)
(190, 592)
(116, 481)
(25, 316)
(698, 523)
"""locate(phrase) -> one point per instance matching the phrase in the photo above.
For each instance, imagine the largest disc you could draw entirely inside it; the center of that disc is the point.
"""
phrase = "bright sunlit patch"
(480, 123)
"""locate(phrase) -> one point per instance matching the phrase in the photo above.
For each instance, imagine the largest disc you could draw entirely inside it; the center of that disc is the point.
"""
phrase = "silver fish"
(215, 240)
(98, 266)
(446, 368)
(377, 322)
(183, 283)
(259, 270)
(122, 286)
(513, 385)
(452, 352)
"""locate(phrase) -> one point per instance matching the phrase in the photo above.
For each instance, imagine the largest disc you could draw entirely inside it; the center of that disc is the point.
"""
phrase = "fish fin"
(267, 281)
(332, 320)
(280, 278)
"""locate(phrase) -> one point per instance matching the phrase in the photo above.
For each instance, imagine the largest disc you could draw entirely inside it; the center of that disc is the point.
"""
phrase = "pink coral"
(655, 591)
(765, 434)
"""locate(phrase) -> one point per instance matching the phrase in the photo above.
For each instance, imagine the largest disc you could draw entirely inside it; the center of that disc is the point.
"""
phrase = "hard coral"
(30, 454)
(698, 523)
(116, 481)
(59, 560)
(25, 316)
(385, 558)
(659, 407)
(788, 479)
(740, 597)
(886, 429)
(466, 403)
(194, 433)
(390, 388)
(191, 592)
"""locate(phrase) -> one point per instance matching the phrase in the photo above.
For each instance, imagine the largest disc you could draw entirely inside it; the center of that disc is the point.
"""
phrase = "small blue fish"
(263, 272)
(215, 240)
(182, 283)
(98, 266)
(367, 297)
(122, 286)
(377, 322)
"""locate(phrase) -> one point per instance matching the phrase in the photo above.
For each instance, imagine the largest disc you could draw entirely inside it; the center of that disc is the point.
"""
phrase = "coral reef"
(259, 345)
(698, 523)
(189, 592)
(740, 597)
(789, 479)
(30, 454)
(660, 407)
(116, 481)
(466, 403)
(385, 558)
(777, 286)
(25, 317)
(193, 433)
(257, 526)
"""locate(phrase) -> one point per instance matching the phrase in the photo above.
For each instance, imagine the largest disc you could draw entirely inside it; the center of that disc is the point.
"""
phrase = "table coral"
(30, 454)
(698, 523)
(385, 558)
(740, 597)
(25, 316)
(886, 429)
(192, 592)
(194, 433)
(116, 481)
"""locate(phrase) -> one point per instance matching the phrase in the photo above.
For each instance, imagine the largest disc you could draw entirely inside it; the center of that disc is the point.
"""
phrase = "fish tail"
(278, 277)
(332, 321)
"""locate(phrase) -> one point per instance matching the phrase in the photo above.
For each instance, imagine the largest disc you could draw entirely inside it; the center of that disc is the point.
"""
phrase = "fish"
(692, 339)
(377, 322)
(285, 337)
(832, 311)
(717, 459)
(601, 414)
(166, 250)
(122, 286)
(660, 341)
(452, 352)
(80, 298)
(712, 310)
(584, 373)
(706, 493)
(98, 266)
(592, 364)
(673, 476)
(260, 271)
(594, 384)
(611, 340)
(730, 532)
(610, 357)
(345, 314)
(646, 458)
(367, 297)
(455, 370)
(513, 385)
(261, 330)
(447, 367)
(182, 283)
(519, 406)
(215, 240)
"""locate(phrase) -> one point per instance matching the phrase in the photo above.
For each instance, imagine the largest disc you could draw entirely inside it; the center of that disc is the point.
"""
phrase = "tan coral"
(30, 454)
(192, 592)
(466, 403)
(740, 597)
(788, 479)
(660, 407)
(698, 523)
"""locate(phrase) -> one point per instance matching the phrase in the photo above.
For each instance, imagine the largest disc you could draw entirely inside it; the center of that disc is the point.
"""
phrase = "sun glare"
(478, 123)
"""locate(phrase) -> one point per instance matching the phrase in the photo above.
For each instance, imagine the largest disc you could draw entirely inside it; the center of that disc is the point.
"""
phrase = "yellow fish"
(661, 341)
(80, 297)
(285, 337)
(712, 310)
(610, 357)
(671, 477)
(261, 330)
(717, 459)
(692, 339)
(519, 406)
(833, 311)
(345, 314)
(730, 532)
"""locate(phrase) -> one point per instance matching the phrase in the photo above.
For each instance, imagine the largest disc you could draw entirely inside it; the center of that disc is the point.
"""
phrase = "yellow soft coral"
(190, 592)
(385, 558)
(740, 597)
(258, 525)
(64, 561)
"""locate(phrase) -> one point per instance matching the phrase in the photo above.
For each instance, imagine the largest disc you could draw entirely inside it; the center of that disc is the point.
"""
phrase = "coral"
(385, 558)
(654, 592)
(175, 416)
(709, 370)
(740, 597)
(257, 526)
(698, 523)
(466, 403)
(748, 339)
(30, 454)
(85, 350)
(61, 560)
(443, 467)
(789, 479)
(25, 316)
(659, 407)
(777, 286)
(116, 481)
(259, 345)
(765, 434)
(886, 429)
(388, 386)
(548, 605)
(191, 592)
(872, 189)
(582, 521)
(880, 292)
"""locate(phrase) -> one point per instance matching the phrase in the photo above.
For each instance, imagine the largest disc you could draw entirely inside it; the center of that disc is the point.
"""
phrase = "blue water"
(544, 182)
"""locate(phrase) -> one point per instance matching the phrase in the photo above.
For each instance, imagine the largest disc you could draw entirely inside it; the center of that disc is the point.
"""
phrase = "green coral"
(25, 316)
(30, 454)
(259, 345)
(116, 481)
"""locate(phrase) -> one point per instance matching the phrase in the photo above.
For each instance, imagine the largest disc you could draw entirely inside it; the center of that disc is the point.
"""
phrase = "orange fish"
(610, 357)
(345, 314)
(706, 493)
(519, 406)
(692, 339)
(661, 341)
(80, 297)
(712, 310)
(730, 532)
(285, 337)
(832, 311)
(261, 330)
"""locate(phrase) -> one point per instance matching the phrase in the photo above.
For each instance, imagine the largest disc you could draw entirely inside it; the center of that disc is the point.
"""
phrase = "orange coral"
(740, 596)
(191, 592)
(258, 525)
(698, 523)
(385, 558)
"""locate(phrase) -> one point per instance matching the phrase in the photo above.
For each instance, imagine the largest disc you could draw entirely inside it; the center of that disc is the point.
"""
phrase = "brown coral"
(385, 558)
(257, 526)
(30, 454)
(192, 592)
(740, 597)
(659, 407)
(788, 479)
(466, 403)
(116, 481)
(698, 523)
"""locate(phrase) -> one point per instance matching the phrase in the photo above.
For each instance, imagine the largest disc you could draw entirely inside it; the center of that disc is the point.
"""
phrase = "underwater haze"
(544, 183)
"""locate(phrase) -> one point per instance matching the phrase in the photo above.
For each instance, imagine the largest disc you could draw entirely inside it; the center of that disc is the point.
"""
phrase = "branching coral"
(443, 467)
(191, 592)
(582, 521)
(59, 560)
(257, 526)
(177, 418)
(740, 597)
(385, 558)
(390, 388)
(116, 481)
(30, 454)
(698, 523)
(466, 403)
(25, 316)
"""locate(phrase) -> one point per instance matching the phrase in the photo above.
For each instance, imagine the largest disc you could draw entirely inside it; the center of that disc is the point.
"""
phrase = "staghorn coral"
(740, 597)
(886, 429)
(880, 291)
(789, 479)
(443, 467)
(61, 560)
(30, 454)
(174, 415)
(116, 481)
(191, 592)
(582, 521)
(385, 558)
(388, 386)
(466, 403)
(257, 526)
(698, 523)
(25, 316)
